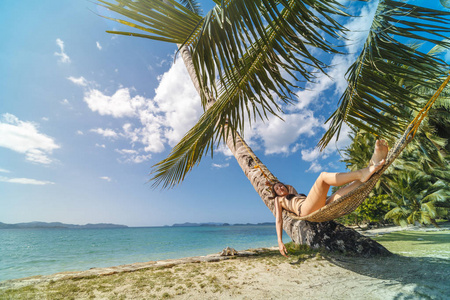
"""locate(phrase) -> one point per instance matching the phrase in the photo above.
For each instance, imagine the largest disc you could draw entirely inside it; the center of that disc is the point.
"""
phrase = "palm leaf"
(372, 95)
(239, 62)
(166, 20)
(192, 5)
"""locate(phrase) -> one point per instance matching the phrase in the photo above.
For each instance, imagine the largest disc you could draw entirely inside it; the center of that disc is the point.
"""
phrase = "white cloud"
(178, 102)
(99, 46)
(223, 148)
(45, 119)
(314, 168)
(162, 63)
(105, 132)
(63, 57)
(279, 135)
(310, 154)
(119, 105)
(66, 103)
(79, 132)
(159, 121)
(106, 178)
(127, 151)
(100, 146)
(25, 181)
(3, 170)
(314, 154)
(133, 156)
(24, 137)
(78, 81)
(137, 159)
(220, 166)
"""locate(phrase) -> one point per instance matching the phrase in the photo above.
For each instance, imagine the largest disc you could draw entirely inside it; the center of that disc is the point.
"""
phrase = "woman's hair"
(272, 189)
(274, 194)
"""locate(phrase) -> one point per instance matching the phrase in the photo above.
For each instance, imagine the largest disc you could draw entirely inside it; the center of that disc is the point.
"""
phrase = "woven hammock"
(350, 201)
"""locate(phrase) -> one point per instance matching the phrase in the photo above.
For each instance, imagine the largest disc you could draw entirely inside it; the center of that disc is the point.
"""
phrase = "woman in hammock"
(286, 197)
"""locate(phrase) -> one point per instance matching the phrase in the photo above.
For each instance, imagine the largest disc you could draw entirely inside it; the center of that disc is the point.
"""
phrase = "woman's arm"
(279, 226)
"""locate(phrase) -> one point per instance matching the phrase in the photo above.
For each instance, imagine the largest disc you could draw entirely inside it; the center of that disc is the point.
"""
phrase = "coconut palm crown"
(241, 48)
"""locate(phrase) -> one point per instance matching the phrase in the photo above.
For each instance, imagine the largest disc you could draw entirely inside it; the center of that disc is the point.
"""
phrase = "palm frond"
(239, 56)
(372, 100)
(192, 5)
(166, 20)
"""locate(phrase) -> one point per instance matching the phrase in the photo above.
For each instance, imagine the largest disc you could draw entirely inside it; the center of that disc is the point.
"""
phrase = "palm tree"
(236, 56)
(415, 198)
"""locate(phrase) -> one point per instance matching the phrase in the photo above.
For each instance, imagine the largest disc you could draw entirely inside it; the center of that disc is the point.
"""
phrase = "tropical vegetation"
(416, 189)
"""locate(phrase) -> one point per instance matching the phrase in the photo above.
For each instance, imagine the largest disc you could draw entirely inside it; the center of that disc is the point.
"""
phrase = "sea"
(30, 252)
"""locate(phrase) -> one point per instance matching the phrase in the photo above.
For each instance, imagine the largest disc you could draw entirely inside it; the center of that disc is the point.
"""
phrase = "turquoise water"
(28, 252)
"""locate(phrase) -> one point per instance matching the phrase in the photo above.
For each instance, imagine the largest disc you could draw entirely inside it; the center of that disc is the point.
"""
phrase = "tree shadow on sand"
(425, 277)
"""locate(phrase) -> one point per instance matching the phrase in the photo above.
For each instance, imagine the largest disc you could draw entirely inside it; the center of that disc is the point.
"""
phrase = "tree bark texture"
(330, 236)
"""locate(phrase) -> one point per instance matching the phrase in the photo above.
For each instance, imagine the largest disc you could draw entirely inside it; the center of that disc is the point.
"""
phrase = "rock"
(228, 252)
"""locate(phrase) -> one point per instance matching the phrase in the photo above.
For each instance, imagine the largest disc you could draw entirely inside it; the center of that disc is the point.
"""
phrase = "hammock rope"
(350, 201)
(257, 166)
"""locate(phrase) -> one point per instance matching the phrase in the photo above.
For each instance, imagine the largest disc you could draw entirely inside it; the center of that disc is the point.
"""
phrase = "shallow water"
(28, 252)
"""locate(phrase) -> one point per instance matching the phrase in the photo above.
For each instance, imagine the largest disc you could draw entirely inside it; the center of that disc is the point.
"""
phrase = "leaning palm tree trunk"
(327, 235)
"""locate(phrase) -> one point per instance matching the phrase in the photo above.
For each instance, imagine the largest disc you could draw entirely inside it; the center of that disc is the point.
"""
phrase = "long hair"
(274, 194)
(272, 189)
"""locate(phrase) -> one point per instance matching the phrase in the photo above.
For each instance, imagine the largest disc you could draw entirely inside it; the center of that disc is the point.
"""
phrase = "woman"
(286, 197)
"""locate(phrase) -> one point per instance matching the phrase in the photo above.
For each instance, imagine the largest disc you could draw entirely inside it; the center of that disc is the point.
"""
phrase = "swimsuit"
(293, 201)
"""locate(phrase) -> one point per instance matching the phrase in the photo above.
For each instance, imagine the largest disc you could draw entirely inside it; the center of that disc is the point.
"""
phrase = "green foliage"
(374, 100)
(372, 210)
(415, 197)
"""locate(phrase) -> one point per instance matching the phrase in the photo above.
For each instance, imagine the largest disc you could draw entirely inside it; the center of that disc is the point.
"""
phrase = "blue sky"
(85, 114)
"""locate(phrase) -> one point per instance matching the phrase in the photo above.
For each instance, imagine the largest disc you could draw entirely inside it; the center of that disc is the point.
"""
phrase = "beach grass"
(417, 243)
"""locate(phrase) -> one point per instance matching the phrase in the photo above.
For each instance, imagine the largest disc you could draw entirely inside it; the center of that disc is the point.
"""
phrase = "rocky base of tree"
(333, 237)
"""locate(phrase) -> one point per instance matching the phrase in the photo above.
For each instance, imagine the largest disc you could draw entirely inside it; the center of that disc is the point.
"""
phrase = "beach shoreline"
(263, 273)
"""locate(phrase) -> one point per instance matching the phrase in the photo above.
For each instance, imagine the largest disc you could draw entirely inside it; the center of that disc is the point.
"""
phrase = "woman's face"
(280, 189)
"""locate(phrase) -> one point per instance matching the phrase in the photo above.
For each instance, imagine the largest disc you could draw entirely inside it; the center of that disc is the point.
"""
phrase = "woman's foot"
(380, 152)
(366, 173)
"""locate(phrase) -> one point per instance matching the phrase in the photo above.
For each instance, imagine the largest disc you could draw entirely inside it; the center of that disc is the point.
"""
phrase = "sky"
(84, 115)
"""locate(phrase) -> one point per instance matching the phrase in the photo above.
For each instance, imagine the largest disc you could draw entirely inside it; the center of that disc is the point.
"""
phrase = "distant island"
(44, 225)
(187, 224)
(37, 225)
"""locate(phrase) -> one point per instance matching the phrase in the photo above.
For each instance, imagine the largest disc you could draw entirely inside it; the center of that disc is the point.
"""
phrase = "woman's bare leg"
(317, 196)
(380, 152)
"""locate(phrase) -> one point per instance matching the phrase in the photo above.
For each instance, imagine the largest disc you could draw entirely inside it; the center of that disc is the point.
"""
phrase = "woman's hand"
(282, 249)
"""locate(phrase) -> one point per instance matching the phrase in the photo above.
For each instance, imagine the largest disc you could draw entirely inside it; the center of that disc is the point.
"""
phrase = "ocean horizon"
(44, 251)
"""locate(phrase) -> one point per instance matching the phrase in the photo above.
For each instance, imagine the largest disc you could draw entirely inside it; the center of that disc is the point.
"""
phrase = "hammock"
(350, 201)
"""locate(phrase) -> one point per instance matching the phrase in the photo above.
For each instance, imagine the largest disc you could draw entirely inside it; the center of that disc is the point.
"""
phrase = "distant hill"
(187, 224)
(31, 225)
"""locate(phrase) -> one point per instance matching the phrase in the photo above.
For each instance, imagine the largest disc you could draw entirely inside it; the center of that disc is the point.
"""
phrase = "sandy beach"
(258, 274)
